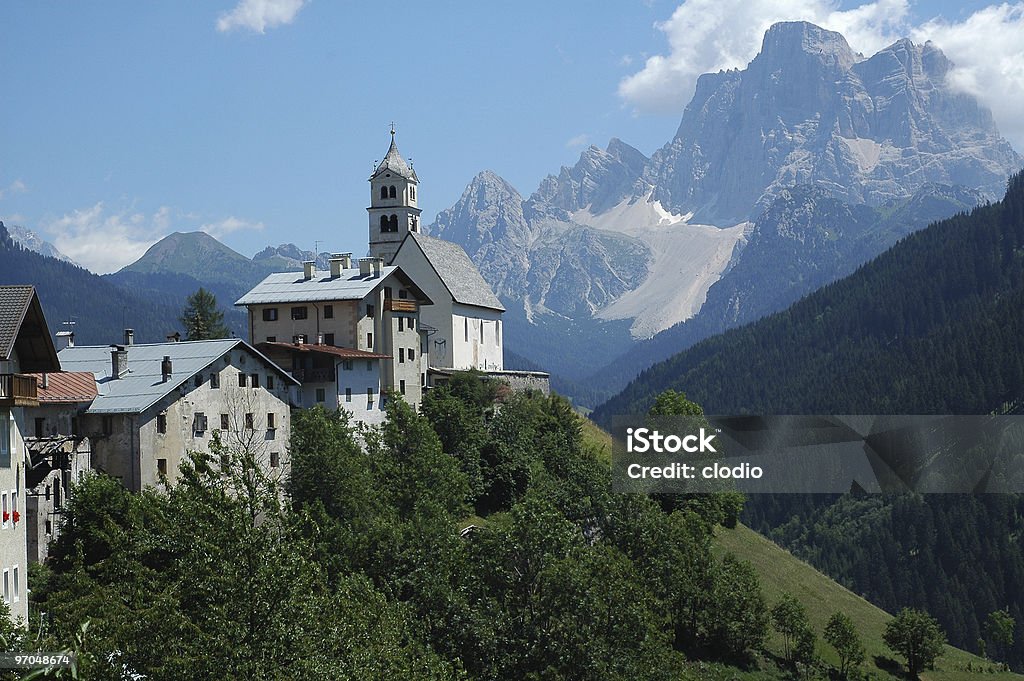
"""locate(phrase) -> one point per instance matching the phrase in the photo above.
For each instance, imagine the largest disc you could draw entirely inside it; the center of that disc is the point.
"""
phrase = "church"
(414, 311)
(464, 322)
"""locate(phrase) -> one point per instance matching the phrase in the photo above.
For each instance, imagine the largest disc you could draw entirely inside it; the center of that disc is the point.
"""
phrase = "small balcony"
(397, 305)
(17, 390)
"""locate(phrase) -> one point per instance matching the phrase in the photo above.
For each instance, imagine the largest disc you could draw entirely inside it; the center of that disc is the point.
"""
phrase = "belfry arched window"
(383, 223)
(391, 192)
(383, 192)
(394, 223)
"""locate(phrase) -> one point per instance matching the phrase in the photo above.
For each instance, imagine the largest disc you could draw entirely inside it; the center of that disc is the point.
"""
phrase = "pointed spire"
(394, 163)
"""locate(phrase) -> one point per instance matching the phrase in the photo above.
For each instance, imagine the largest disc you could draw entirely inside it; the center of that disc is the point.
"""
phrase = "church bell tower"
(393, 203)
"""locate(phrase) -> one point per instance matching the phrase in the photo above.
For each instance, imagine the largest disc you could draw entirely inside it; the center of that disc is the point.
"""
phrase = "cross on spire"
(392, 129)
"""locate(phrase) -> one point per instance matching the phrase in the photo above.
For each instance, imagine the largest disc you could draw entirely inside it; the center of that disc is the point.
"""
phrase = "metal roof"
(143, 386)
(292, 287)
(394, 163)
(458, 273)
(23, 328)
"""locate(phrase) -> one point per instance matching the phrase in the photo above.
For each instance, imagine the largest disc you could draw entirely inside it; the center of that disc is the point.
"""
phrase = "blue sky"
(259, 120)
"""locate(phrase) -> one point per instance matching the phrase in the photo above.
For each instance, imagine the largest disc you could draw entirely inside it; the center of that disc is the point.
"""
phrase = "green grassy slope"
(781, 572)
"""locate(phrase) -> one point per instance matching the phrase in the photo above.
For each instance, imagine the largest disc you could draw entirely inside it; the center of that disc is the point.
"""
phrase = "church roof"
(458, 273)
(394, 163)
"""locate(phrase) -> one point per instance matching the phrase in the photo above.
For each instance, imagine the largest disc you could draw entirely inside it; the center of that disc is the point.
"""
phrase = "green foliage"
(917, 637)
(201, 317)
(789, 618)
(841, 634)
(212, 579)
(672, 403)
(999, 626)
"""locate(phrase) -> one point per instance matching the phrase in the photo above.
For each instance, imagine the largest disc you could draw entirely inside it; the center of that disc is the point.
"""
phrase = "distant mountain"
(623, 247)
(287, 257)
(808, 110)
(28, 239)
(100, 309)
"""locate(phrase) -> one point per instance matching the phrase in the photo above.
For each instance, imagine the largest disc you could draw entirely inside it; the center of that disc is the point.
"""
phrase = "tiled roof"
(457, 271)
(344, 353)
(394, 163)
(23, 330)
(14, 303)
(292, 287)
(143, 385)
(67, 387)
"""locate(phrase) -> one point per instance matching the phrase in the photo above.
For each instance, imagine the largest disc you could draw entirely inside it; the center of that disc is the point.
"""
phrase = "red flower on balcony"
(17, 516)
(7, 516)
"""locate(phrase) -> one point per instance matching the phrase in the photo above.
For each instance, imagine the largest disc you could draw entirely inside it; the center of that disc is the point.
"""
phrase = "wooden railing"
(396, 305)
(17, 390)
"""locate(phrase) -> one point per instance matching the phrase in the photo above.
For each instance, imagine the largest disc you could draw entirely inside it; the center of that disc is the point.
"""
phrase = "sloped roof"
(23, 328)
(292, 287)
(458, 273)
(143, 386)
(343, 353)
(67, 387)
(394, 163)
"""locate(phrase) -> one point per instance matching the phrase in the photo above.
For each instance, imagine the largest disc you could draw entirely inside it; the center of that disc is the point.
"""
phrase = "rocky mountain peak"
(807, 110)
(788, 42)
(489, 209)
(600, 179)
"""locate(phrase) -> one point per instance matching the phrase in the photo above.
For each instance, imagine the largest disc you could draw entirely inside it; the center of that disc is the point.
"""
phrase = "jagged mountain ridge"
(30, 240)
(807, 110)
(885, 131)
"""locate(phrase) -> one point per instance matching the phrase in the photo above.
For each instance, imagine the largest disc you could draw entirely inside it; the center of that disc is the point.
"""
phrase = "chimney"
(118, 361)
(336, 265)
(370, 267)
(308, 269)
(69, 338)
(319, 339)
(165, 368)
(45, 383)
(129, 337)
(173, 337)
(346, 261)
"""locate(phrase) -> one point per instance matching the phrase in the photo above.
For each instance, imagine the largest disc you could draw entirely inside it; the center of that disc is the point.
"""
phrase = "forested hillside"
(99, 308)
(934, 325)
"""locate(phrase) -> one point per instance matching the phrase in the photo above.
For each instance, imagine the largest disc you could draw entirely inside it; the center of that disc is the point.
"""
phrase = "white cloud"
(988, 50)
(228, 225)
(259, 15)
(105, 242)
(577, 141)
(16, 187)
(709, 35)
